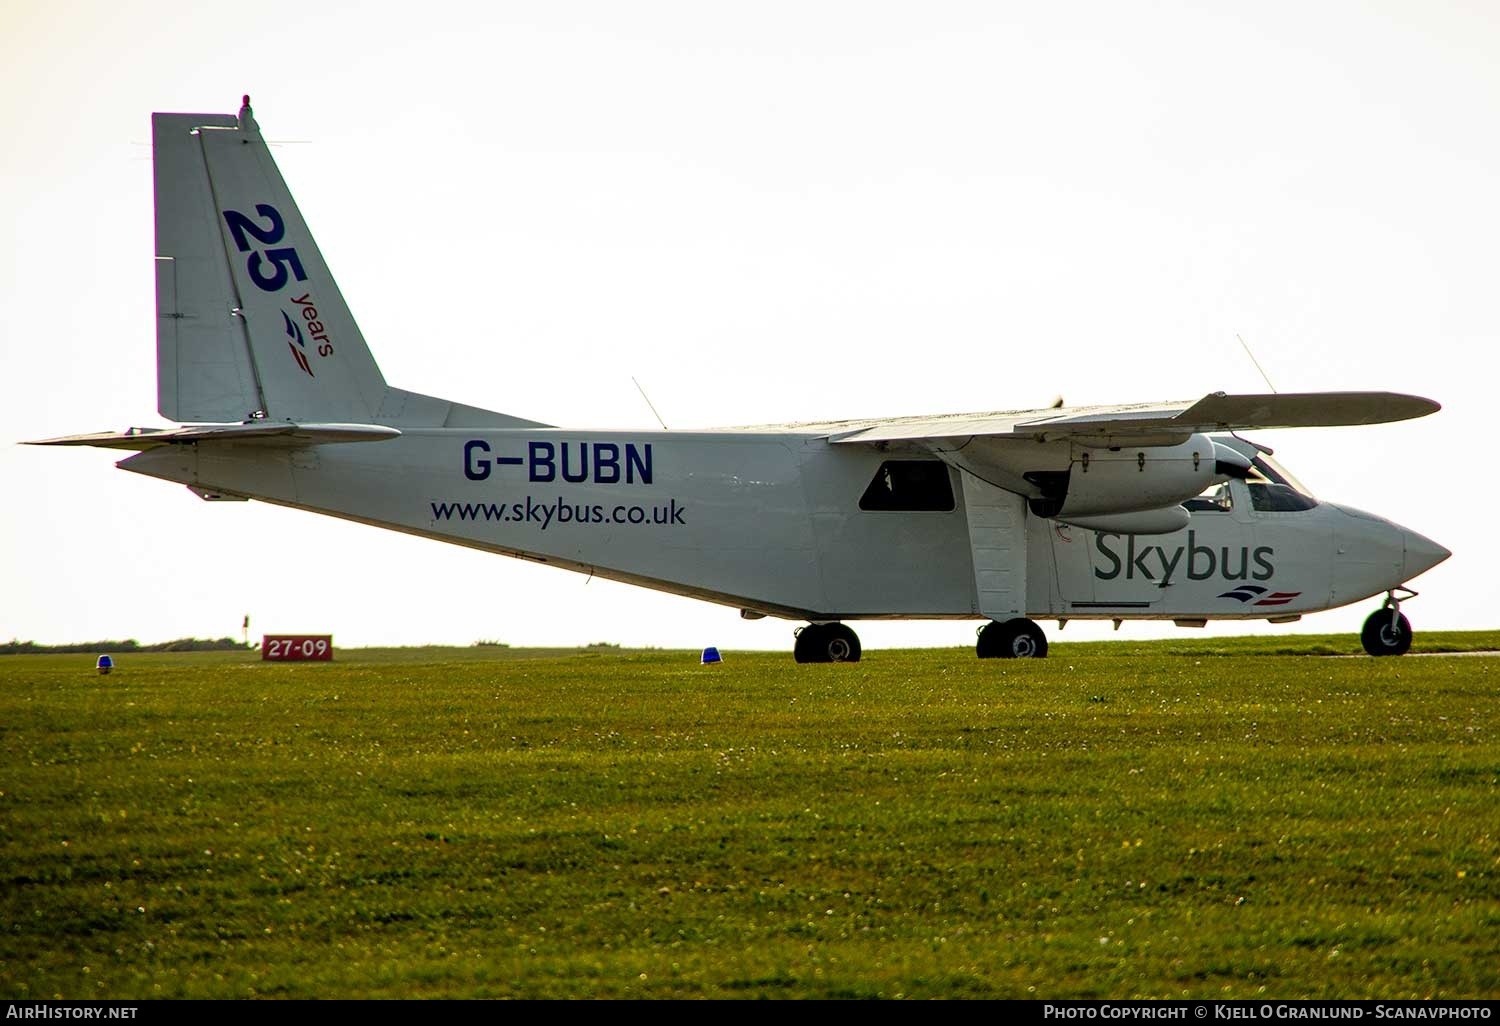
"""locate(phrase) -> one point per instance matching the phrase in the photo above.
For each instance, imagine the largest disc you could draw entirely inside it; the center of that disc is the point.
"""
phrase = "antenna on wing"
(1256, 362)
(649, 403)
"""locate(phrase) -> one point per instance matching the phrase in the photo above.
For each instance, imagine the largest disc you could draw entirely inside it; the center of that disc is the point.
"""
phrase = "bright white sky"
(764, 212)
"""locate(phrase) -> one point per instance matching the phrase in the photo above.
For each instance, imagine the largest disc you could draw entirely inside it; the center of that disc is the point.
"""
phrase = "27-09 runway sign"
(296, 647)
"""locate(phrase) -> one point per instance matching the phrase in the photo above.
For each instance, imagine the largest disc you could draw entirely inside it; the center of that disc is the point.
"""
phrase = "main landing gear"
(826, 643)
(1013, 639)
(1387, 632)
(835, 643)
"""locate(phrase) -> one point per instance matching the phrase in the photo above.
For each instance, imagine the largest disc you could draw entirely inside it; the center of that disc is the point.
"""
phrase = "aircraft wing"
(277, 434)
(1166, 423)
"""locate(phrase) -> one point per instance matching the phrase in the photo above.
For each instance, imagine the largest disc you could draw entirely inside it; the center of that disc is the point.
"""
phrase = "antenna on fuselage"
(1256, 362)
(649, 403)
(1262, 448)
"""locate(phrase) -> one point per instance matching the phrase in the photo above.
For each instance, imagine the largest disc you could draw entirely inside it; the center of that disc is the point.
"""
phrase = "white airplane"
(1117, 513)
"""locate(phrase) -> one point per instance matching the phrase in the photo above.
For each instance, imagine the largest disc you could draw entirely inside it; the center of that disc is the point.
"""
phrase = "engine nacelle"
(1150, 521)
(1130, 479)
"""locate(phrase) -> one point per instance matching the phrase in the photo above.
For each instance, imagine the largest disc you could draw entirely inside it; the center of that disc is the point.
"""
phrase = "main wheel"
(1380, 638)
(826, 643)
(1013, 639)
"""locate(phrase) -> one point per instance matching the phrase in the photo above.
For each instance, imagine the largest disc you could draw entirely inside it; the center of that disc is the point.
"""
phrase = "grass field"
(1201, 818)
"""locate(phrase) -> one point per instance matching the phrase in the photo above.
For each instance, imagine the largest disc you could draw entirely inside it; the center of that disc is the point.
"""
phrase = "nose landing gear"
(1387, 632)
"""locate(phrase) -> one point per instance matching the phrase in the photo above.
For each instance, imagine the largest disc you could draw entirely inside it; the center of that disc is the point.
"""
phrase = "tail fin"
(250, 324)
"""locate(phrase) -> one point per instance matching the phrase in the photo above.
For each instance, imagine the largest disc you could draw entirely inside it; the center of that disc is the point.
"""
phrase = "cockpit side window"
(909, 486)
(1215, 499)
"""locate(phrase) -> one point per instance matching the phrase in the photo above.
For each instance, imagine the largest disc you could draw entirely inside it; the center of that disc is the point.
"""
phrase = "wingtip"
(1413, 406)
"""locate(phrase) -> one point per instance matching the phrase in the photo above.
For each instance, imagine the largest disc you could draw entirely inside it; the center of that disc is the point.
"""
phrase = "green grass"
(1110, 822)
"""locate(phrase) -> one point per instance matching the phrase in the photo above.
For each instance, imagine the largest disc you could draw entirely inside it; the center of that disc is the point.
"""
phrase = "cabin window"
(909, 486)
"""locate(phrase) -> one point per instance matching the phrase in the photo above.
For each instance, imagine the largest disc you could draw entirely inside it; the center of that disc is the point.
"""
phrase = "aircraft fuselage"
(772, 522)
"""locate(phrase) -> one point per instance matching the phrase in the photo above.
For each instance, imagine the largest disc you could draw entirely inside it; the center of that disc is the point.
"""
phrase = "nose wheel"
(1387, 632)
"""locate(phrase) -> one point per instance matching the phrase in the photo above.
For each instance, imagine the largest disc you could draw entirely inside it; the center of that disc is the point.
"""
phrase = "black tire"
(804, 651)
(1014, 639)
(826, 643)
(1381, 639)
(988, 646)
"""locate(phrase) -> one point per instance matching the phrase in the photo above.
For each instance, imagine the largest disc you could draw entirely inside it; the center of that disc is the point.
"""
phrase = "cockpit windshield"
(1277, 474)
(1273, 490)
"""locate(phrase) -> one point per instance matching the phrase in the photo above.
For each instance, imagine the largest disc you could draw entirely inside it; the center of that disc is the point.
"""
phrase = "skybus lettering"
(574, 462)
(1198, 562)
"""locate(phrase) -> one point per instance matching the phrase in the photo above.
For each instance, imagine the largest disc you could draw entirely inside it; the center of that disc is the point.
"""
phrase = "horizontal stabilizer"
(1152, 423)
(290, 436)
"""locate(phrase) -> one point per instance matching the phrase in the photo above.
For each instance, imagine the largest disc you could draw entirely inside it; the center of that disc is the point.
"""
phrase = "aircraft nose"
(1421, 553)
